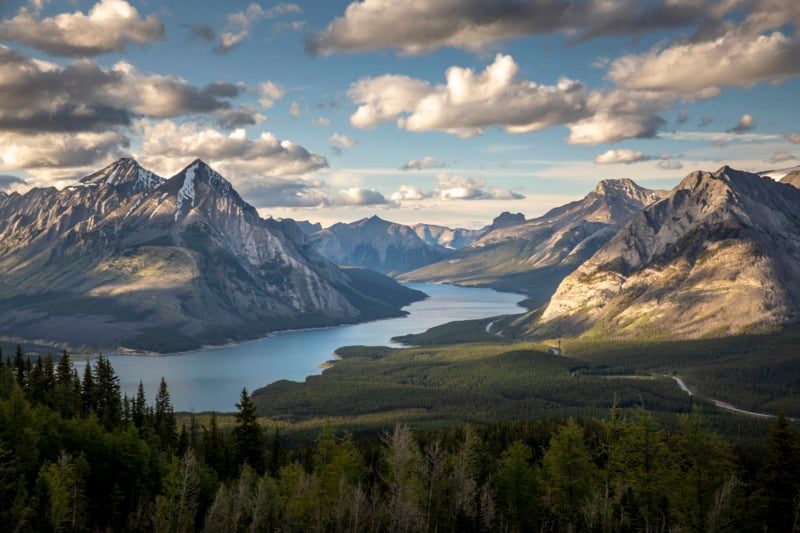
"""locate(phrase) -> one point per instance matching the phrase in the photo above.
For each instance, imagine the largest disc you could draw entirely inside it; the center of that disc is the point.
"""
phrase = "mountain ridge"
(172, 265)
(718, 256)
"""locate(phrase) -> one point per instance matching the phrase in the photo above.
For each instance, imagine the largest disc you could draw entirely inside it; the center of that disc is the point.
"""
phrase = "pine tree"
(19, 365)
(782, 474)
(248, 437)
(88, 393)
(108, 402)
(164, 423)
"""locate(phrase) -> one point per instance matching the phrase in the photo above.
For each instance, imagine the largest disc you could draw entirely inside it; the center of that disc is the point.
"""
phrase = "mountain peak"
(507, 219)
(124, 171)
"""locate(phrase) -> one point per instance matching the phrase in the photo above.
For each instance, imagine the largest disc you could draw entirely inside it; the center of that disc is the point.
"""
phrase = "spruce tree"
(248, 436)
(164, 423)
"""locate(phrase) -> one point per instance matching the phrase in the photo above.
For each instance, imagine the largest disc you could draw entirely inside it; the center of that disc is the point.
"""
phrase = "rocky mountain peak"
(507, 219)
(625, 189)
(124, 172)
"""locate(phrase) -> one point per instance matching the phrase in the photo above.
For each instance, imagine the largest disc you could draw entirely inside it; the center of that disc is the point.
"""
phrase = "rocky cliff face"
(720, 255)
(534, 256)
(377, 244)
(128, 259)
(792, 178)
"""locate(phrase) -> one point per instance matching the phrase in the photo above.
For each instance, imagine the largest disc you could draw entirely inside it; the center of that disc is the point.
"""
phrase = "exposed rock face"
(127, 259)
(792, 178)
(506, 220)
(535, 255)
(720, 255)
(377, 244)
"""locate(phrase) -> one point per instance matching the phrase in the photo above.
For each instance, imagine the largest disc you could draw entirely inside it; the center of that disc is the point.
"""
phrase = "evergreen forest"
(77, 455)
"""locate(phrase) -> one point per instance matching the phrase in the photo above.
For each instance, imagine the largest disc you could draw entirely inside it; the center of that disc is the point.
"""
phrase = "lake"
(212, 379)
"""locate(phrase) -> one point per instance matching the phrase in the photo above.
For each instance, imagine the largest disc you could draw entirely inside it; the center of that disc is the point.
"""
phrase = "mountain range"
(720, 255)
(128, 259)
(533, 256)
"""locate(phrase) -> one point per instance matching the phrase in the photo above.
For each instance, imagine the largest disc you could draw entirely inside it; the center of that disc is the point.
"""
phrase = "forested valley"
(76, 455)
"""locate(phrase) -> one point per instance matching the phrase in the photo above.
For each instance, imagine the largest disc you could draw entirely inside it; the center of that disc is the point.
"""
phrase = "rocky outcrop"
(720, 255)
(452, 239)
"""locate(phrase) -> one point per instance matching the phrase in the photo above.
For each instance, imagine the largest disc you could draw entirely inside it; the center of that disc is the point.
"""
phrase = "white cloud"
(736, 58)
(426, 25)
(321, 122)
(358, 196)
(269, 92)
(341, 142)
(746, 123)
(468, 102)
(407, 193)
(384, 98)
(793, 138)
(455, 187)
(422, 164)
(626, 156)
(108, 27)
(167, 143)
(53, 156)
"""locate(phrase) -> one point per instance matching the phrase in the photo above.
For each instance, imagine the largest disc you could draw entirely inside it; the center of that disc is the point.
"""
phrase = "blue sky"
(444, 111)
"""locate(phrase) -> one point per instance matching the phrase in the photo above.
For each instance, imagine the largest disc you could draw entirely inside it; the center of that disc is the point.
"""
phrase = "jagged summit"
(792, 178)
(128, 259)
(720, 255)
(125, 171)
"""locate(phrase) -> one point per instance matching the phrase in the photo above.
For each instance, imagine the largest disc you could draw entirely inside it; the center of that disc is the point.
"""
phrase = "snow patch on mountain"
(187, 191)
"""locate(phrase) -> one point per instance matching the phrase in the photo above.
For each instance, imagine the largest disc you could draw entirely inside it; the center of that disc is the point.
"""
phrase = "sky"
(437, 111)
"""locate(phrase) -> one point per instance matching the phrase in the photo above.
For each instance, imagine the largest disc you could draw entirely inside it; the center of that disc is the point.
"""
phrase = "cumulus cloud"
(468, 102)
(625, 155)
(426, 25)
(321, 122)
(455, 187)
(108, 27)
(166, 142)
(422, 164)
(238, 24)
(37, 96)
(358, 196)
(746, 123)
(269, 92)
(736, 58)
(59, 155)
(407, 193)
(793, 138)
(341, 142)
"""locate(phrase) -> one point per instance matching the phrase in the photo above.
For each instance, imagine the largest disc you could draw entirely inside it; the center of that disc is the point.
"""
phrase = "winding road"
(721, 404)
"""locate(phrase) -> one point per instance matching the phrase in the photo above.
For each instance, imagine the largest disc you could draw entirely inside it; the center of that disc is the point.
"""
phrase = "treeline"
(76, 455)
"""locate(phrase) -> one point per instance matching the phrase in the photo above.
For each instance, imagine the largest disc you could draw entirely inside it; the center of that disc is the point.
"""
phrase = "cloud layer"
(426, 25)
(108, 27)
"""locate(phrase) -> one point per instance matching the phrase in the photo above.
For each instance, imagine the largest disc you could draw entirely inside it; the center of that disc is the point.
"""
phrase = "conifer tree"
(164, 423)
(248, 437)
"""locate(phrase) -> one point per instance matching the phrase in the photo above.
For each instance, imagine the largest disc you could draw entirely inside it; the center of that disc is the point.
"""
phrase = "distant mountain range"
(533, 256)
(387, 246)
(127, 259)
(720, 255)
